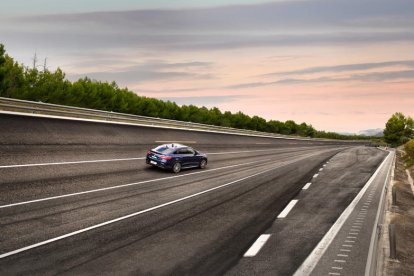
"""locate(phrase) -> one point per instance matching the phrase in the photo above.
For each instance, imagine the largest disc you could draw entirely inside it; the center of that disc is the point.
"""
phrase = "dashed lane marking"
(288, 208)
(307, 186)
(257, 245)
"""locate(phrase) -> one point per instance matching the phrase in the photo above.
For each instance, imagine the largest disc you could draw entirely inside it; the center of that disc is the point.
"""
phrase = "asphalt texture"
(199, 222)
(293, 238)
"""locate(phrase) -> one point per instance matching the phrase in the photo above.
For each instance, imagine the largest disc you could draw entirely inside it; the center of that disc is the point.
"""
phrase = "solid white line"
(177, 142)
(71, 162)
(306, 186)
(288, 208)
(115, 160)
(148, 181)
(244, 151)
(124, 185)
(132, 215)
(312, 260)
(257, 245)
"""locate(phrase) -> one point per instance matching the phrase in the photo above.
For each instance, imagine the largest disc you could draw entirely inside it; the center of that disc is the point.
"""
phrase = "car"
(176, 157)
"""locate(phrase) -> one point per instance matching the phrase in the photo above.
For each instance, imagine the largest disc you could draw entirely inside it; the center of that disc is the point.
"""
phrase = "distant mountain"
(377, 132)
(347, 133)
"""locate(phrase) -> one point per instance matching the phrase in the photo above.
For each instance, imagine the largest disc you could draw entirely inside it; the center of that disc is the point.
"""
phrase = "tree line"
(21, 82)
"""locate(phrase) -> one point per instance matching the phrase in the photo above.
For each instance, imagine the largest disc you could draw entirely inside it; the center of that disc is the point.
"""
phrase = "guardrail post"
(393, 245)
(394, 195)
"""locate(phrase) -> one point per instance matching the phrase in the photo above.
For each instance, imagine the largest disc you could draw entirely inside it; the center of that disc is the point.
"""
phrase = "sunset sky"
(340, 65)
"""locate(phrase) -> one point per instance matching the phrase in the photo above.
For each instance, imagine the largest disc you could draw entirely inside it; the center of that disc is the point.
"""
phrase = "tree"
(399, 129)
(2, 62)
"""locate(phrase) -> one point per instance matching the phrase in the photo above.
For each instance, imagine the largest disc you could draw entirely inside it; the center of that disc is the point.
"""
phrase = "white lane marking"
(345, 250)
(315, 175)
(306, 186)
(321, 169)
(347, 245)
(114, 160)
(351, 237)
(148, 181)
(70, 162)
(124, 185)
(340, 261)
(247, 151)
(336, 267)
(257, 245)
(334, 273)
(324, 165)
(341, 255)
(177, 142)
(349, 241)
(312, 260)
(134, 214)
(288, 208)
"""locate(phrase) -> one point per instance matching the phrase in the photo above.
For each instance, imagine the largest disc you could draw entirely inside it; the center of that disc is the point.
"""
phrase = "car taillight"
(165, 157)
(148, 152)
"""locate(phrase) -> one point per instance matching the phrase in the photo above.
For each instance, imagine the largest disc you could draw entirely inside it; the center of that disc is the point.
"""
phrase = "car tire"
(203, 164)
(176, 168)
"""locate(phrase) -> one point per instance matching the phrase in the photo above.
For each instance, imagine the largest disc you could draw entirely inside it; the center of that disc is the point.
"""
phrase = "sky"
(339, 65)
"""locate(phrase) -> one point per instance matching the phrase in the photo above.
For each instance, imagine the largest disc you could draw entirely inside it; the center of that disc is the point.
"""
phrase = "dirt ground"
(402, 215)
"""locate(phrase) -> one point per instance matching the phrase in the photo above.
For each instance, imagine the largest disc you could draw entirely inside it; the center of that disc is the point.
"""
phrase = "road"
(72, 207)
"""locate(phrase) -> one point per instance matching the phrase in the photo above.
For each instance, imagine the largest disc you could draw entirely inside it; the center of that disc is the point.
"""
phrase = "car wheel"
(203, 164)
(176, 167)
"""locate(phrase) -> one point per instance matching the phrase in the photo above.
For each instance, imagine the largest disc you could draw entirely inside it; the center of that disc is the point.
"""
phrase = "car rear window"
(163, 149)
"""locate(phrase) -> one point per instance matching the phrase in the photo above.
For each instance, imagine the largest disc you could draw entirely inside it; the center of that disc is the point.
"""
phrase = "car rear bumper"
(159, 164)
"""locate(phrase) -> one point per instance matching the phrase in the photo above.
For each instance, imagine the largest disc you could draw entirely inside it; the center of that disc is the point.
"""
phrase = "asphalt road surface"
(78, 207)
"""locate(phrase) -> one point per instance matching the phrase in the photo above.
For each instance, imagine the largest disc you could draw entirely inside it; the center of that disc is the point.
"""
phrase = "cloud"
(204, 100)
(262, 16)
(345, 68)
(286, 23)
(195, 42)
(365, 77)
(149, 71)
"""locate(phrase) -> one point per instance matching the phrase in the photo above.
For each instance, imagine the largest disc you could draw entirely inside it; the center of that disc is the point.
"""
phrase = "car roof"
(174, 145)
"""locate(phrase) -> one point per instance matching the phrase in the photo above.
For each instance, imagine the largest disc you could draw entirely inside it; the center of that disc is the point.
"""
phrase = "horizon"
(327, 63)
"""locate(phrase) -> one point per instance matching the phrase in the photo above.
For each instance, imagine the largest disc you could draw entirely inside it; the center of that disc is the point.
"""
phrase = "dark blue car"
(176, 157)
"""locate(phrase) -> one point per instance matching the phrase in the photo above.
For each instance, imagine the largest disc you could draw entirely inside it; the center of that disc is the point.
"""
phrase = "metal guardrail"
(22, 106)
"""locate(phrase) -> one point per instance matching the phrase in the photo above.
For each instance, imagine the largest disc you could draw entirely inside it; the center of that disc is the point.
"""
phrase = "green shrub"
(409, 149)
